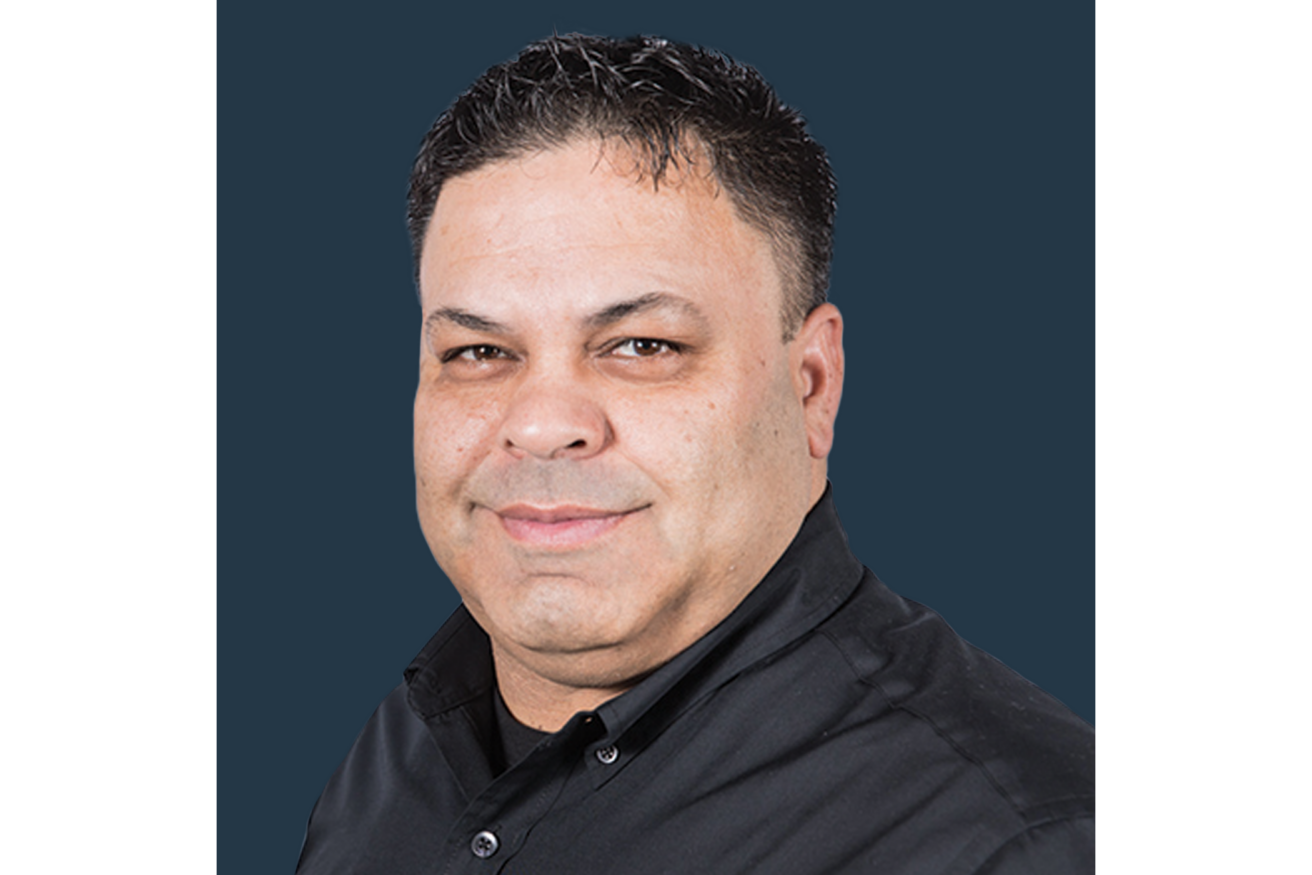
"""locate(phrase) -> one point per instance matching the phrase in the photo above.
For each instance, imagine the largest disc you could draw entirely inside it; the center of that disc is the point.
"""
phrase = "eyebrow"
(642, 304)
(600, 319)
(464, 319)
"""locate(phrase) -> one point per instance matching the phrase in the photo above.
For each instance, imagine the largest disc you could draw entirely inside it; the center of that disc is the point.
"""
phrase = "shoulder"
(1063, 845)
(391, 786)
(1032, 753)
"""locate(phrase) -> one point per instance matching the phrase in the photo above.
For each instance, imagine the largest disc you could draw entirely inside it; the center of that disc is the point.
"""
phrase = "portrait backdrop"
(961, 135)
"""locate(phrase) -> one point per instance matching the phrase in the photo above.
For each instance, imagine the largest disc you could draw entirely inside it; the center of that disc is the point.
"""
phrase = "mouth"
(563, 526)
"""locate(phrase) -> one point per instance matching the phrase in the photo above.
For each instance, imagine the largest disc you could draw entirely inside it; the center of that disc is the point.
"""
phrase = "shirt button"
(484, 845)
(608, 754)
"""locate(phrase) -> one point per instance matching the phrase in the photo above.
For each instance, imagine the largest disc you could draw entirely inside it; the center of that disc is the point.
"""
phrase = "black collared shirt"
(826, 726)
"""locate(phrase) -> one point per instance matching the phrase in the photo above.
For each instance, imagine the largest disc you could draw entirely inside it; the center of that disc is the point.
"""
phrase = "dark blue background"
(962, 137)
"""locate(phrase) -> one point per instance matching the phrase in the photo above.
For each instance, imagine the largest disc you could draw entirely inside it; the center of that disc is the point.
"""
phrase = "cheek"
(758, 440)
(668, 435)
(451, 435)
(693, 449)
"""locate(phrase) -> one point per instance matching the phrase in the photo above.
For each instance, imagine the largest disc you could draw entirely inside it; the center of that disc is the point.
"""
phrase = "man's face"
(610, 440)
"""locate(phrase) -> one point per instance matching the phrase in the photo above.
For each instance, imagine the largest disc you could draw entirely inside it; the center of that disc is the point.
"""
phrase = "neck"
(541, 703)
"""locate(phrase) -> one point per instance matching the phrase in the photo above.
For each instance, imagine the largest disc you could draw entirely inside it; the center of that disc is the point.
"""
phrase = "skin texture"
(613, 443)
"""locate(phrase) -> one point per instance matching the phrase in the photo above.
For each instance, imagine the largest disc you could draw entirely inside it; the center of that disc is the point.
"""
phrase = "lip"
(562, 526)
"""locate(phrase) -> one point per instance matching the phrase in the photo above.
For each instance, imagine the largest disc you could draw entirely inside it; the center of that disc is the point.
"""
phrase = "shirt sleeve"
(1064, 846)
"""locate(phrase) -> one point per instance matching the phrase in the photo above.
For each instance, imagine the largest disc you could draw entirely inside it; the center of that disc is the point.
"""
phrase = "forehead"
(583, 217)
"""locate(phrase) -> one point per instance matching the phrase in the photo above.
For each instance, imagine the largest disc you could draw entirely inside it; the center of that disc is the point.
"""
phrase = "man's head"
(614, 440)
(671, 104)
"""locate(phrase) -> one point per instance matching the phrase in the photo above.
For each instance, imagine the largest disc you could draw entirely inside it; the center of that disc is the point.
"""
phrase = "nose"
(554, 422)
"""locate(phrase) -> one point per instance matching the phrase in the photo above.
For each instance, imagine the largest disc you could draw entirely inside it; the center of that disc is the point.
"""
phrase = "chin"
(564, 634)
(559, 629)
(602, 667)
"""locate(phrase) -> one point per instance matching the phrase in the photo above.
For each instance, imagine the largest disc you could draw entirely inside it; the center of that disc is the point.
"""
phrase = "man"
(666, 659)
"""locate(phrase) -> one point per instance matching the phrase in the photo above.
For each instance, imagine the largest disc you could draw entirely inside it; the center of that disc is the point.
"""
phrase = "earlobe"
(819, 371)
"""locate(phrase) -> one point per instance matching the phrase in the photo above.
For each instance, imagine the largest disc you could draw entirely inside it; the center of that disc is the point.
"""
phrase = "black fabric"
(826, 726)
(517, 740)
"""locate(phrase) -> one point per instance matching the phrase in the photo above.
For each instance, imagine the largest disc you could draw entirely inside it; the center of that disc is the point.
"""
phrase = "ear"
(817, 360)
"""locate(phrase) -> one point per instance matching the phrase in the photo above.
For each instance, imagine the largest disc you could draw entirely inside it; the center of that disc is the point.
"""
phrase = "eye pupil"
(644, 346)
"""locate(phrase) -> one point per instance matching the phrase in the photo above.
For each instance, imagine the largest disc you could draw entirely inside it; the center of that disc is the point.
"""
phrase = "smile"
(559, 527)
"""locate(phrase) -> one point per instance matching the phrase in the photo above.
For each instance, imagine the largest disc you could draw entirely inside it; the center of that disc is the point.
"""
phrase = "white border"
(1204, 434)
(107, 397)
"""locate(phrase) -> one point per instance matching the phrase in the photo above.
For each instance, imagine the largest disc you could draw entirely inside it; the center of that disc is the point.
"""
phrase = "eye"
(480, 352)
(642, 347)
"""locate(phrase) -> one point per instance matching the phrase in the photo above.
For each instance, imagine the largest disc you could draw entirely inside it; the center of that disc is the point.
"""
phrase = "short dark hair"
(664, 100)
